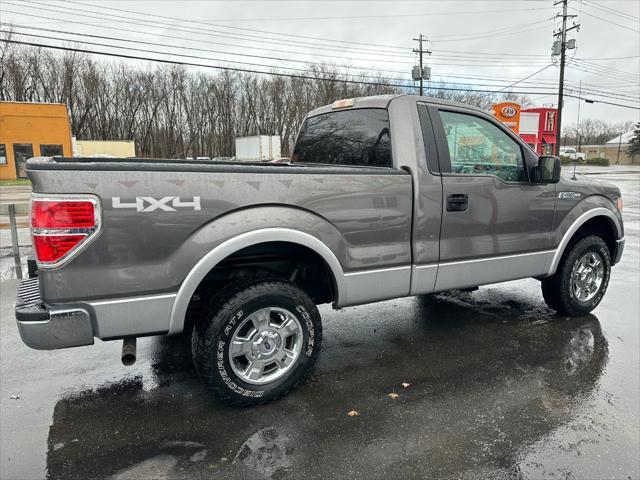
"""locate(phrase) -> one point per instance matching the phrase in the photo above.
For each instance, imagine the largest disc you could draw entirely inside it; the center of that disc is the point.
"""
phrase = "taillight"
(67, 214)
(61, 225)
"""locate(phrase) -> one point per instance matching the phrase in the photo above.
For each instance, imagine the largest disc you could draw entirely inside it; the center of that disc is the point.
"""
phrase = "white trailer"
(258, 148)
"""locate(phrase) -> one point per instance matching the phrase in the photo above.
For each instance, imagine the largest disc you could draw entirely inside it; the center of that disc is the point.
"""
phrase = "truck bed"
(364, 214)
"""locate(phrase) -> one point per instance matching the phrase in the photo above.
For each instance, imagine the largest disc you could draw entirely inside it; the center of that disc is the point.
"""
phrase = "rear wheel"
(258, 342)
(581, 280)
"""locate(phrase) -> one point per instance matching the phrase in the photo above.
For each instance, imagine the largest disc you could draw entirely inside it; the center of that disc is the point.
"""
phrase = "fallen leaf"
(406, 385)
(353, 413)
(393, 395)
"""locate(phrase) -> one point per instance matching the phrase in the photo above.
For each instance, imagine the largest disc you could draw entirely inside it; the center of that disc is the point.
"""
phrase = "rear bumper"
(618, 253)
(48, 328)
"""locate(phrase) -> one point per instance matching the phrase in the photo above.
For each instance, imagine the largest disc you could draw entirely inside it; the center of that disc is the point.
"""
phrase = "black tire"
(557, 291)
(213, 333)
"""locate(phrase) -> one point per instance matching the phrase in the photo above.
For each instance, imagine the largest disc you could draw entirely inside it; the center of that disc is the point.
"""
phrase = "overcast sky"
(490, 44)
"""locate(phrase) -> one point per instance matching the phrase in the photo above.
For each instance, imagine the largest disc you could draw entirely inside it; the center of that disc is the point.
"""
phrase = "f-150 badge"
(150, 204)
(569, 195)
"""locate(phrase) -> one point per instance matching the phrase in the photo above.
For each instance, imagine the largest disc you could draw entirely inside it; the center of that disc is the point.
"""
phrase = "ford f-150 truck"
(384, 197)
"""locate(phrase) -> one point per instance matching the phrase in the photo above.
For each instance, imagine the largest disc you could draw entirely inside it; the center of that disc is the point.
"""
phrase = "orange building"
(31, 130)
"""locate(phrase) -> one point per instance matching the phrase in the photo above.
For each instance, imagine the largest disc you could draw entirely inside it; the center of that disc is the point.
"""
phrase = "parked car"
(573, 154)
(385, 197)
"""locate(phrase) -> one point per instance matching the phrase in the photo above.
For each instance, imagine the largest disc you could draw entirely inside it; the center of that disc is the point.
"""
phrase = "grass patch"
(14, 181)
(603, 162)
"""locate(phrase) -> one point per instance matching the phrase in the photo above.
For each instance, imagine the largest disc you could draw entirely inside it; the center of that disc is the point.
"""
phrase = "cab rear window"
(358, 137)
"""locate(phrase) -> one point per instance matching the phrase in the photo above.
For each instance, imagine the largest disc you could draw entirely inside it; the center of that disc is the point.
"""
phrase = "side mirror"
(548, 170)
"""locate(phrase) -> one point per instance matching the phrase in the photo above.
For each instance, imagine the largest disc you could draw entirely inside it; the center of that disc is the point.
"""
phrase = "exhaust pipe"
(129, 351)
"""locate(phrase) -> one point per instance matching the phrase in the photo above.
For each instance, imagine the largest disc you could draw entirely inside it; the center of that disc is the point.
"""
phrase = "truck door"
(496, 224)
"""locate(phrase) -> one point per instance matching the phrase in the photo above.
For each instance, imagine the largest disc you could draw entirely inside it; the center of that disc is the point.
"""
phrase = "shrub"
(603, 162)
(565, 160)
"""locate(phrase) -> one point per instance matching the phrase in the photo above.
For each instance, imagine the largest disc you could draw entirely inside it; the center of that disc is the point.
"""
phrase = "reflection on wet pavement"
(489, 376)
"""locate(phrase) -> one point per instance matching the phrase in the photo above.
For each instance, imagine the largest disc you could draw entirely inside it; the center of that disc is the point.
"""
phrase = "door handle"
(457, 202)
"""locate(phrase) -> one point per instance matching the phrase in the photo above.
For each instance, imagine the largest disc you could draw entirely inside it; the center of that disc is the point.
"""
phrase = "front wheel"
(581, 280)
(257, 343)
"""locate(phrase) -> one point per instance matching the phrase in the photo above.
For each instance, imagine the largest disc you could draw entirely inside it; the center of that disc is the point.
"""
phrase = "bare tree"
(172, 111)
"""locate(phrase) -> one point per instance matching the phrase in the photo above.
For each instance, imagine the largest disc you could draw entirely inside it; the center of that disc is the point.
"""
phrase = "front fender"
(583, 211)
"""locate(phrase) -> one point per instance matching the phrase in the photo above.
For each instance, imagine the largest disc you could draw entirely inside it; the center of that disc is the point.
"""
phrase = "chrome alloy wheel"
(587, 276)
(266, 345)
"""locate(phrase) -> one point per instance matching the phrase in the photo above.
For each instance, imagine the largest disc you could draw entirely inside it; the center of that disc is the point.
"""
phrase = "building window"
(22, 152)
(550, 121)
(3, 154)
(51, 150)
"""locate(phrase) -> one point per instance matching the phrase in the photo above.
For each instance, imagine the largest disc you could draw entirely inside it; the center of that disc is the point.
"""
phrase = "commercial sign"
(509, 114)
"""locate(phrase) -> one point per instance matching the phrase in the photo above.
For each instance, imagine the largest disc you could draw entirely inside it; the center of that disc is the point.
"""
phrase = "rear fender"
(214, 242)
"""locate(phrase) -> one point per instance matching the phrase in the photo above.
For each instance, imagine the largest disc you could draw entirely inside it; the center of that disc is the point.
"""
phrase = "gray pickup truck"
(384, 197)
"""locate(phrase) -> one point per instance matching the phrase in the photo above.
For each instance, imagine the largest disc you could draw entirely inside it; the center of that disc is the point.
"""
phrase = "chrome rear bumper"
(47, 328)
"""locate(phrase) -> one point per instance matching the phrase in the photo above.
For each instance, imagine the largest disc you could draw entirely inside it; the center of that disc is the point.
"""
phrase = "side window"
(359, 137)
(51, 150)
(3, 154)
(477, 147)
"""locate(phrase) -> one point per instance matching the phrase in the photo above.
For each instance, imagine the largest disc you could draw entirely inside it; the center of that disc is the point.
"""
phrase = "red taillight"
(61, 225)
(51, 248)
(67, 214)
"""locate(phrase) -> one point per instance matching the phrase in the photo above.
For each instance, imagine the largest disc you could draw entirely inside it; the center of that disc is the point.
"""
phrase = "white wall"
(529, 122)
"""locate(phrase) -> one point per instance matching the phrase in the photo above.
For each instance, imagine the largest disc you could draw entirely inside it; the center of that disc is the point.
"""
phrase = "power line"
(526, 78)
(280, 59)
(489, 64)
(240, 70)
(611, 58)
(599, 71)
(514, 29)
(147, 14)
(493, 34)
(611, 10)
(172, 23)
(278, 74)
(192, 30)
(610, 94)
(603, 68)
(352, 17)
(173, 20)
(84, 42)
(589, 100)
(610, 22)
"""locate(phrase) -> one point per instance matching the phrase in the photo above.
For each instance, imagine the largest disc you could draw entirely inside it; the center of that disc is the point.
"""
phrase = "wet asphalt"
(499, 386)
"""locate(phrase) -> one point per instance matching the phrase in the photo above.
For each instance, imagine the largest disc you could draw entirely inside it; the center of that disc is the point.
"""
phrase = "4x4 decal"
(150, 204)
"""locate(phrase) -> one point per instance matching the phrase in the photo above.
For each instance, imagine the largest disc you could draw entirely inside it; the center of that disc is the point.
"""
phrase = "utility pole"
(619, 147)
(421, 72)
(563, 48)
(578, 122)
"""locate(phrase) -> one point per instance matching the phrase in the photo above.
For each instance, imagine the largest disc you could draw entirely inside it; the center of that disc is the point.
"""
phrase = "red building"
(538, 129)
